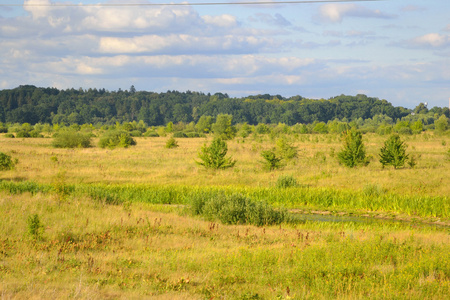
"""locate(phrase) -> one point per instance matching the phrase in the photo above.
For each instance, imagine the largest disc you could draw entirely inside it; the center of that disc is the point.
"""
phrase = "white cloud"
(224, 21)
(182, 43)
(430, 40)
(337, 12)
(38, 8)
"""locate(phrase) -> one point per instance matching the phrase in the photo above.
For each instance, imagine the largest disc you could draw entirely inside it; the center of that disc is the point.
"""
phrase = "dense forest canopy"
(30, 104)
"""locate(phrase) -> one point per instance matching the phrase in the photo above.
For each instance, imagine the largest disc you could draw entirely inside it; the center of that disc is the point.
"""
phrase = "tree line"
(30, 104)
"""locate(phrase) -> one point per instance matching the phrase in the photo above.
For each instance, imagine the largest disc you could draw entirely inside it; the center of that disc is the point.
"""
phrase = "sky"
(398, 50)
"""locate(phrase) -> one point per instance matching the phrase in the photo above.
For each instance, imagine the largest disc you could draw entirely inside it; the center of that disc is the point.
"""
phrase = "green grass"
(101, 223)
(370, 199)
(89, 249)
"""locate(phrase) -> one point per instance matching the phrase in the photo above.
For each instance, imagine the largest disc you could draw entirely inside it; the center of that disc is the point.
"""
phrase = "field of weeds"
(101, 223)
(82, 248)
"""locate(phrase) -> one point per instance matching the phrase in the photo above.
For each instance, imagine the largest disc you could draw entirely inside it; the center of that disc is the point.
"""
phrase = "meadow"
(116, 224)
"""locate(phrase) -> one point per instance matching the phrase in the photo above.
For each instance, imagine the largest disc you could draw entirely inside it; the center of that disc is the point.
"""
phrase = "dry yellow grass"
(151, 163)
(90, 250)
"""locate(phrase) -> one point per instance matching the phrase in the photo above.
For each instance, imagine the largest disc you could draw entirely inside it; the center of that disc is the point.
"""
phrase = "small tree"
(114, 139)
(271, 160)
(214, 155)
(35, 227)
(441, 124)
(223, 128)
(286, 150)
(6, 162)
(171, 143)
(353, 152)
(393, 152)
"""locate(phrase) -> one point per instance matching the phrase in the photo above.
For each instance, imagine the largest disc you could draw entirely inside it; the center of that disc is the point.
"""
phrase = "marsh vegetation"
(148, 221)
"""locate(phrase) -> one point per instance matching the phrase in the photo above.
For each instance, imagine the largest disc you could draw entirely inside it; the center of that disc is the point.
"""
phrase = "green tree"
(223, 128)
(204, 124)
(393, 152)
(286, 150)
(6, 162)
(214, 155)
(441, 124)
(353, 152)
(271, 160)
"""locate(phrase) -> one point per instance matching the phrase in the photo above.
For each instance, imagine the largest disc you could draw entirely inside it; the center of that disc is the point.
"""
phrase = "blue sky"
(396, 50)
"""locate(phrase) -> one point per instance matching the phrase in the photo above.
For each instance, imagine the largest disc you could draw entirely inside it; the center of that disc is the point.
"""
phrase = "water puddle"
(302, 217)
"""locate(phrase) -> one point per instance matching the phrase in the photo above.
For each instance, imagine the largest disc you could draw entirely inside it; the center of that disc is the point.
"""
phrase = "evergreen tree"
(353, 152)
(393, 152)
(214, 156)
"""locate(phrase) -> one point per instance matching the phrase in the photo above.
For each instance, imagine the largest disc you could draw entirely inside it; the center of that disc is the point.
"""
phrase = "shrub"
(114, 139)
(271, 160)
(214, 156)
(71, 139)
(6, 162)
(35, 227)
(194, 134)
(171, 143)
(136, 133)
(286, 182)
(236, 209)
(393, 152)
(179, 134)
(286, 150)
(405, 131)
(22, 134)
(353, 152)
(3, 128)
(10, 135)
(151, 133)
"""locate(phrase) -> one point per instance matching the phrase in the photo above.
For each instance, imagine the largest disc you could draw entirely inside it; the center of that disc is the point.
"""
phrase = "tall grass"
(83, 249)
(294, 197)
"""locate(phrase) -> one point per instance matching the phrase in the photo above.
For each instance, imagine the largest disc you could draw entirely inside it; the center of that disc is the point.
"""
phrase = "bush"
(3, 128)
(214, 156)
(236, 209)
(179, 134)
(136, 133)
(6, 162)
(286, 182)
(10, 135)
(286, 150)
(114, 139)
(353, 152)
(151, 134)
(271, 160)
(405, 131)
(71, 139)
(171, 143)
(35, 227)
(22, 134)
(194, 135)
(393, 152)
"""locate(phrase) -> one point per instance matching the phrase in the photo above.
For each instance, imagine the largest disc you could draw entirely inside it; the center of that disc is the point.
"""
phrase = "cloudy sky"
(398, 50)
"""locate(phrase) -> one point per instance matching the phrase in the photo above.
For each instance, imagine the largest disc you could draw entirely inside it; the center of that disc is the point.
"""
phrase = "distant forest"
(30, 104)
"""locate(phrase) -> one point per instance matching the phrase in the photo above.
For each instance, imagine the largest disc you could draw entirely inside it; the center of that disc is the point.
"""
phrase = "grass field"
(149, 162)
(105, 229)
